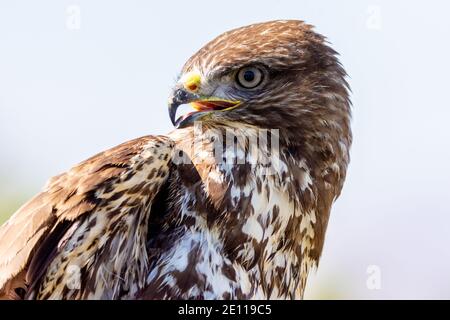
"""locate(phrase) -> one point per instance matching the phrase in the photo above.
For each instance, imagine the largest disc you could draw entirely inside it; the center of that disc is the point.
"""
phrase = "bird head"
(278, 74)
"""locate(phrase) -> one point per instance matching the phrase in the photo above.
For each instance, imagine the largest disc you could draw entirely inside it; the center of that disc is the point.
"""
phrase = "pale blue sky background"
(67, 94)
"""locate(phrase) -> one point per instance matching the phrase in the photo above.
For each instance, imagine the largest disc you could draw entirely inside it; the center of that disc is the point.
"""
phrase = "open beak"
(202, 106)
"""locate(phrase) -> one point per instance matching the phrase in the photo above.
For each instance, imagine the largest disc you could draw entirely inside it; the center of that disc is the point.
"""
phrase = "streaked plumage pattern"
(132, 223)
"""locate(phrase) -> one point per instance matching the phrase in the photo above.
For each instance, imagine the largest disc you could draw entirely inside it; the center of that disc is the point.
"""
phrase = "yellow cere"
(192, 81)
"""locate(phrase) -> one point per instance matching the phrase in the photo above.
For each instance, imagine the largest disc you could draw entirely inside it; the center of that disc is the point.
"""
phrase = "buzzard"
(232, 204)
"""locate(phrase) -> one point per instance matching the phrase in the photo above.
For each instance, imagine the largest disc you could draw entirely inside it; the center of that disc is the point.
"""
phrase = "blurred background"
(77, 77)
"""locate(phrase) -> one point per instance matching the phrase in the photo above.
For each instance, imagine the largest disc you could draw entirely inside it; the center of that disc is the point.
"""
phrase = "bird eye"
(249, 77)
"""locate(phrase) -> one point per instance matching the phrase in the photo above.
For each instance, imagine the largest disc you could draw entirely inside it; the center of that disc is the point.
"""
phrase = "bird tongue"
(203, 106)
(211, 105)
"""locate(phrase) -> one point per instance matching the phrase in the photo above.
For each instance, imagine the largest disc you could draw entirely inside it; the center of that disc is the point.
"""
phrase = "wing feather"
(68, 196)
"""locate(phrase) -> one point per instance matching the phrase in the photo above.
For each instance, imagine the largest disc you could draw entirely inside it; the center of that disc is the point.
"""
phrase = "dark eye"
(249, 77)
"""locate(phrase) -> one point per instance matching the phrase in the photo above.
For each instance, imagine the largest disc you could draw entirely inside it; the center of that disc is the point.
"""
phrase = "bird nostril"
(191, 81)
(192, 87)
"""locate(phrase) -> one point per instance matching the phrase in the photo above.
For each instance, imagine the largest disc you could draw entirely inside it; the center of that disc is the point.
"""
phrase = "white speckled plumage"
(136, 222)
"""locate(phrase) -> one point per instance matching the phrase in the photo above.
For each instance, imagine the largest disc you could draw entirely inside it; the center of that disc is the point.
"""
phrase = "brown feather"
(65, 198)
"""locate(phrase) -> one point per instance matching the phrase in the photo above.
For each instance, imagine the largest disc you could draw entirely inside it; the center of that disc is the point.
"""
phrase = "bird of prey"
(193, 214)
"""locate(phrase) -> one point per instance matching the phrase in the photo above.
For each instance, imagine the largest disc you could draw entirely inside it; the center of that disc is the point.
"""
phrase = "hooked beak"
(202, 105)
